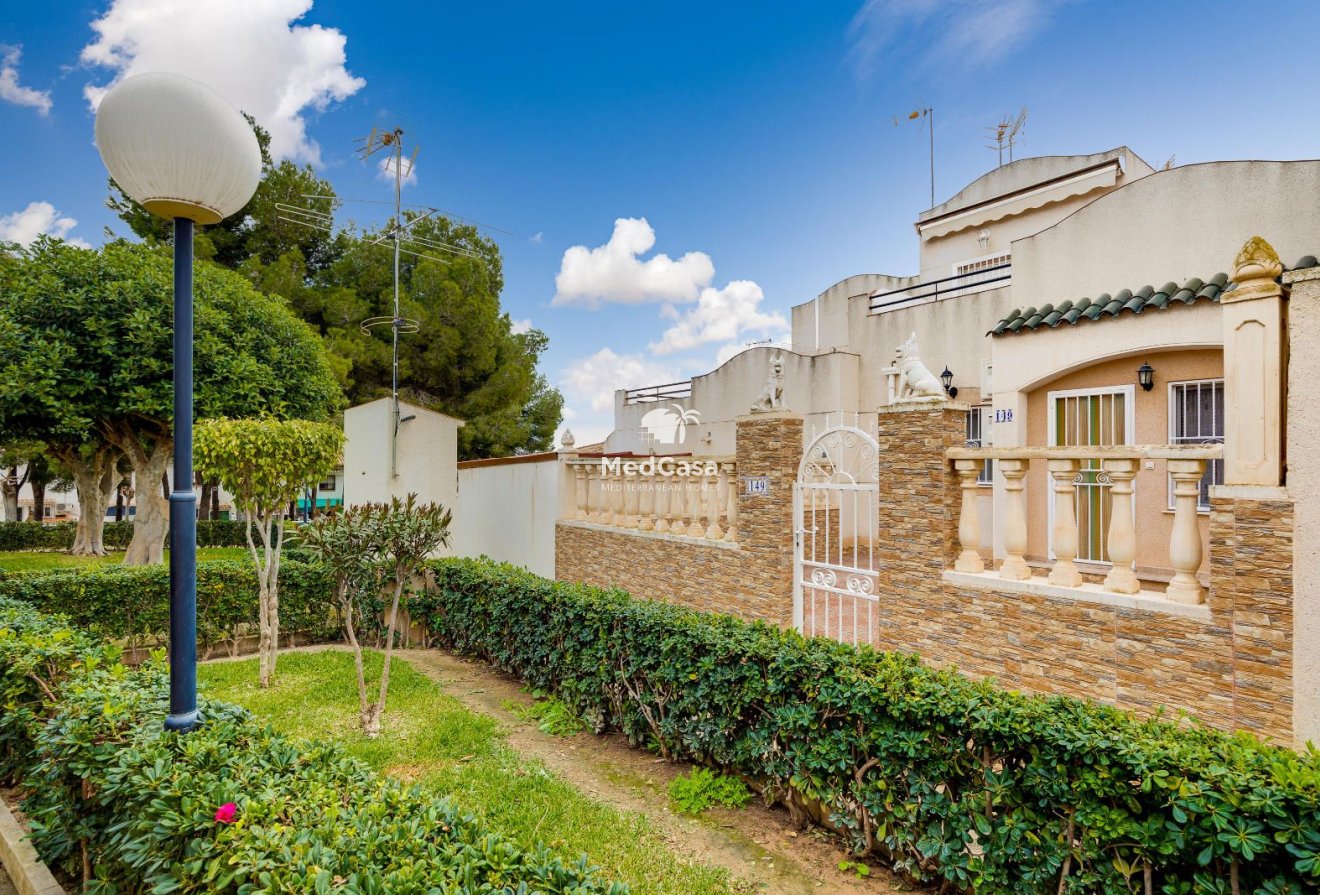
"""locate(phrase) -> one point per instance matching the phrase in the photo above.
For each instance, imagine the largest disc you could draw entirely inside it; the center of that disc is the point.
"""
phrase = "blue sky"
(756, 139)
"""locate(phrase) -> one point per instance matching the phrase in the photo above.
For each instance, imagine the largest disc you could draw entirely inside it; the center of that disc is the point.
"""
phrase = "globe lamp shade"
(177, 148)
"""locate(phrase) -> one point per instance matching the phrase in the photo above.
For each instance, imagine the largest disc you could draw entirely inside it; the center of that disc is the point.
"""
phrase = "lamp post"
(182, 152)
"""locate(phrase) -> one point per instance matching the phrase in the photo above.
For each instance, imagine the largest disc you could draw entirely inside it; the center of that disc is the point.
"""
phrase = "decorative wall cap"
(926, 405)
(1080, 452)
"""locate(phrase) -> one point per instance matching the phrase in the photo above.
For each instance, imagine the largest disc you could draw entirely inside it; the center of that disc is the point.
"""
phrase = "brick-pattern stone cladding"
(1234, 671)
(753, 580)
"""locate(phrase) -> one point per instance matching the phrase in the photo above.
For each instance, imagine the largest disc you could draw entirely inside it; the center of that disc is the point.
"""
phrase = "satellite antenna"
(319, 215)
(1006, 133)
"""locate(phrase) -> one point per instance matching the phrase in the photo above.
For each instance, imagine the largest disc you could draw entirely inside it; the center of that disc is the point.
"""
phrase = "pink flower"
(226, 813)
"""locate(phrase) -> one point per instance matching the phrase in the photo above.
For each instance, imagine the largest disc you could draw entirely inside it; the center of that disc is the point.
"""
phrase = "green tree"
(370, 547)
(465, 361)
(265, 464)
(100, 322)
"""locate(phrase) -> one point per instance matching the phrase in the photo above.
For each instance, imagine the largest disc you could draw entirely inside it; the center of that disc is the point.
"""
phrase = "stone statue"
(772, 396)
(915, 380)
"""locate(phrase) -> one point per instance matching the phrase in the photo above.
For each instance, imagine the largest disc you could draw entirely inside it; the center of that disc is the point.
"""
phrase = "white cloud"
(13, 92)
(25, 226)
(720, 315)
(593, 380)
(536, 238)
(249, 50)
(959, 32)
(521, 326)
(385, 170)
(615, 273)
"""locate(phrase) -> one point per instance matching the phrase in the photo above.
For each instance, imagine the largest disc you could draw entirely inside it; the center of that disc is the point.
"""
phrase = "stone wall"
(752, 578)
(1230, 666)
(1229, 662)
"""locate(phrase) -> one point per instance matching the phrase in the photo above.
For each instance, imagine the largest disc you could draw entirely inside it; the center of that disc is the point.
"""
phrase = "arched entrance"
(834, 524)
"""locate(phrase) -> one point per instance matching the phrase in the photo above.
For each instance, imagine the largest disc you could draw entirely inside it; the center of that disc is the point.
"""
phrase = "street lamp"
(181, 151)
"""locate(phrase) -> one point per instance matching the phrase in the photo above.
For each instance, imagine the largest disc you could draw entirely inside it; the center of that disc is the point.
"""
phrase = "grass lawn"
(431, 738)
(29, 561)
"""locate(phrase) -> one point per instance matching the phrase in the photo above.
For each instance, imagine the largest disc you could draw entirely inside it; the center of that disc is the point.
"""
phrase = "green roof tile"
(1103, 306)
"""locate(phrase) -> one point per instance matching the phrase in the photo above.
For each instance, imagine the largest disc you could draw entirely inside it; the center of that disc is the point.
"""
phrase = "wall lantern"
(1146, 376)
(947, 378)
(182, 152)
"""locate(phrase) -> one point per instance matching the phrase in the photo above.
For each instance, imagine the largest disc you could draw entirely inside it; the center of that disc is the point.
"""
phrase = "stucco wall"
(1151, 417)
(427, 455)
(507, 511)
(1172, 225)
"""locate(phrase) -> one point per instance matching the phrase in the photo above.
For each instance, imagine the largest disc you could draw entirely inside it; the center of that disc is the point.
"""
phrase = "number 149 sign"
(1003, 416)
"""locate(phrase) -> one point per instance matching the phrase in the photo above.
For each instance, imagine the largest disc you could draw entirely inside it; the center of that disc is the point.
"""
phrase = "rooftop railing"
(946, 287)
(670, 391)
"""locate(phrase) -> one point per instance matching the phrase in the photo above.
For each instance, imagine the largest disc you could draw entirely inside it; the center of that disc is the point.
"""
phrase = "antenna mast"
(1006, 133)
(392, 141)
(928, 113)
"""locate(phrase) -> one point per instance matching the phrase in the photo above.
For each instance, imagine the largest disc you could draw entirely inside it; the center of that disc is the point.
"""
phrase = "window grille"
(1196, 416)
(975, 428)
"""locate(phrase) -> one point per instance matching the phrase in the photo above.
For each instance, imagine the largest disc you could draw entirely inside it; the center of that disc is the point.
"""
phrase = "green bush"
(105, 780)
(59, 535)
(694, 792)
(950, 779)
(132, 602)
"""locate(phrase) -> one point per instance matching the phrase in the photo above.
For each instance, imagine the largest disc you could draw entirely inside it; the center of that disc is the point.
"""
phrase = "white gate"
(834, 523)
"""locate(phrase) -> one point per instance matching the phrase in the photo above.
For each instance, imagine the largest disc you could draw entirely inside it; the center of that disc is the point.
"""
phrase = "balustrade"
(1108, 477)
(690, 497)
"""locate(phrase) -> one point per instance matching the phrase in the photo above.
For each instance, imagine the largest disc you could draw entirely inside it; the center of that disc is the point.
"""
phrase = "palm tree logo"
(668, 425)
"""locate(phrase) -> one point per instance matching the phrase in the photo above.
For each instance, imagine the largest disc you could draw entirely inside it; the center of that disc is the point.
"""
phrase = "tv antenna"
(1006, 134)
(319, 215)
(926, 115)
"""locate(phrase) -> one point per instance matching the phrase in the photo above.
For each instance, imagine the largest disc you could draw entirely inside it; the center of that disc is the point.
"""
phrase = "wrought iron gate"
(834, 523)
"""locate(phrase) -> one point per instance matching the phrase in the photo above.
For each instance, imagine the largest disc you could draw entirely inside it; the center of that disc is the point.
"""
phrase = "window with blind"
(1196, 417)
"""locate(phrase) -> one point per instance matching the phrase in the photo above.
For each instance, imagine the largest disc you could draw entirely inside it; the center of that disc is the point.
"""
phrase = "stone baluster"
(646, 503)
(1122, 539)
(615, 486)
(579, 492)
(664, 497)
(1014, 566)
(731, 501)
(1185, 540)
(969, 523)
(713, 506)
(1063, 476)
(695, 529)
(630, 500)
(594, 502)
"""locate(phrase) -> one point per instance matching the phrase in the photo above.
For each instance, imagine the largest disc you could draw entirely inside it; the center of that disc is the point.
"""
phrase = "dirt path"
(757, 845)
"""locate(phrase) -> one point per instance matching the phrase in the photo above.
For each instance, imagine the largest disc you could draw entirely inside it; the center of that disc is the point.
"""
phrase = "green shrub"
(693, 793)
(132, 602)
(105, 780)
(59, 535)
(950, 779)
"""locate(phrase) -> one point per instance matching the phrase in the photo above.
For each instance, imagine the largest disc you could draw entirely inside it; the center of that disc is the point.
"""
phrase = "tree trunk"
(204, 508)
(10, 485)
(372, 719)
(215, 500)
(119, 504)
(267, 562)
(39, 501)
(88, 477)
(151, 523)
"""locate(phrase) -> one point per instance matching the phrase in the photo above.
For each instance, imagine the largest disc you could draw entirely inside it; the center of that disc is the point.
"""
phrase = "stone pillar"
(770, 445)
(969, 528)
(917, 507)
(1063, 474)
(1251, 515)
(1254, 369)
(1303, 417)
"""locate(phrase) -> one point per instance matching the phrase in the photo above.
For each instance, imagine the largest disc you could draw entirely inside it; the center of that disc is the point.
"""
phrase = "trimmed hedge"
(59, 535)
(952, 780)
(133, 602)
(105, 781)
